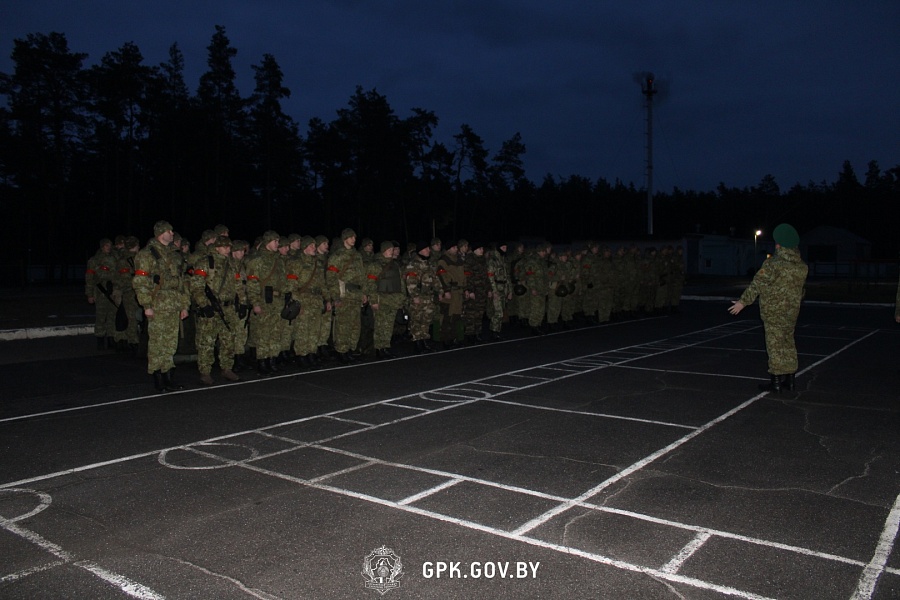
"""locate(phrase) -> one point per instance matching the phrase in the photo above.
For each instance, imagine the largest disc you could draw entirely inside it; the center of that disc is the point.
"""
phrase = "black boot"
(171, 386)
(158, 382)
(101, 343)
(787, 382)
(270, 362)
(262, 367)
(774, 384)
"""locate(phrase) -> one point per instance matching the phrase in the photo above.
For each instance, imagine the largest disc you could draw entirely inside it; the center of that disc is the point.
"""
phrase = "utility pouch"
(269, 294)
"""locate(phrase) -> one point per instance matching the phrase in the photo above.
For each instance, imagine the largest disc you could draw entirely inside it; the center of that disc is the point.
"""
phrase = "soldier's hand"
(184, 314)
(90, 299)
(148, 312)
(257, 309)
(736, 307)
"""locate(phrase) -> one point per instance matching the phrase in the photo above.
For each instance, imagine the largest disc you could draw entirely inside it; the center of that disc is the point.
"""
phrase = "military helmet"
(562, 290)
(519, 289)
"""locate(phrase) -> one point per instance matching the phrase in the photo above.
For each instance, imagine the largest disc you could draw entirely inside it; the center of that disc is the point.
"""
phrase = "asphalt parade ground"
(635, 459)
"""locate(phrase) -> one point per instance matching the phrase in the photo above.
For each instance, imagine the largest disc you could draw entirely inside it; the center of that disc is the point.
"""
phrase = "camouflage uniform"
(590, 284)
(387, 293)
(213, 285)
(328, 314)
(421, 284)
(451, 275)
(779, 286)
(99, 289)
(605, 276)
(477, 286)
(533, 276)
(266, 283)
(123, 289)
(344, 279)
(241, 301)
(159, 286)
(308, 287)
(500, 288)
(514, 256)
(676, 279)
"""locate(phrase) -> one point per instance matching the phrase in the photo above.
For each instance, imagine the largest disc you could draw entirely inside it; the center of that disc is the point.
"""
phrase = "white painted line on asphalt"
(590, 414)
(700, 373)
(398, 405)
(688, 551)
(866, 586)
(429, 492)
(351, 421)
(342, 471)
(26, 572)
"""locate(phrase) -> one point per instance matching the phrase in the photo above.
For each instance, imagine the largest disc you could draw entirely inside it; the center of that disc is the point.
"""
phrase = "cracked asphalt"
(631, 460)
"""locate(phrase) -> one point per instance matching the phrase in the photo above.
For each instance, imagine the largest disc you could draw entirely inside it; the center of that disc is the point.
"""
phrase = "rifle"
(107, 291)
(216, 305)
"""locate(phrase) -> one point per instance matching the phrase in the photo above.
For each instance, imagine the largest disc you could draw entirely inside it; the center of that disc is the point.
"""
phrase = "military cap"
(268, 236)
(366, 242)
(422, 244)
(238, 245)
(221, 229)
(462, 242)
(222, 241)
(347, 233)
(120, 239)
(105, 241)
(306, 240)
(435, 241)
(294, 237)
(786, 236)
(160, 227)
(321, 239)
(207, 235)
(386, 245)
(131, 241)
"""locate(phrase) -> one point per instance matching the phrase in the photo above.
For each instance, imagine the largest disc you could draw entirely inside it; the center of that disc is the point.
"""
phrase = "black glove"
(207, 311)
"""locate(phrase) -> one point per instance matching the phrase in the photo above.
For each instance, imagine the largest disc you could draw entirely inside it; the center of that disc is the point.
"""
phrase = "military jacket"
(476, 275)
(159, 278)
(124, 271)
(779, 285)
(419, 278)
(101, 269)
(498, 274)
(345, 275)
(219, 273)
(305, 276)
(266, 278)
(533, 274)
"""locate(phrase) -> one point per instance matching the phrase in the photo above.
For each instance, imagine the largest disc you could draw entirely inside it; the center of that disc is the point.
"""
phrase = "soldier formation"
(302, 300)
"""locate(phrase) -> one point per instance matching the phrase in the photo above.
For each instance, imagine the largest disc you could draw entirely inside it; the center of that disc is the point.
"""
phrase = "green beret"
(786, 236)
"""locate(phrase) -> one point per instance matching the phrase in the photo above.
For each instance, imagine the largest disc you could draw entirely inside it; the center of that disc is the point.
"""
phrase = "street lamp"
(756, 235)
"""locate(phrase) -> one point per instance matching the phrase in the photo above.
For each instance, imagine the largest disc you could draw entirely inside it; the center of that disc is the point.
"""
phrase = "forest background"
(92, 152)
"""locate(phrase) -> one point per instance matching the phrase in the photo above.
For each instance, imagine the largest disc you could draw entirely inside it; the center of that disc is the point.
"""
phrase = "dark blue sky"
(781, 87)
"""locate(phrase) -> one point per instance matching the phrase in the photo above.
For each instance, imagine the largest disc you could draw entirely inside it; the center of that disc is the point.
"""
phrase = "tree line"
(89, 152)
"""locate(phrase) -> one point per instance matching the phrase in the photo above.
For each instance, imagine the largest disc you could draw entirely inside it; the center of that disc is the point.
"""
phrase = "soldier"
(241, 303)
(129, 337)
(386, 296)
(436, 250)
(366, 345)
(308, 287)
(213, 288)
(285, 327)
(322, 252)
(500, 290)
(99, 287)
(534, 277)
(605, 277)
(266, 282)
(344, 279)
(518, 304)
(477, 289)
(561, 275)
(590, 284)
(158, 284)
(676, 279)
(451, 275)
(779, 284)
(422, 287)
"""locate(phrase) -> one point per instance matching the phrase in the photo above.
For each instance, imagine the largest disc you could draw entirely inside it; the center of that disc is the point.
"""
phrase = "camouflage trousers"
(162, 330)
(265, 331)
(306, 328)
(347, 324)
(105, 318)
(495, 307)
(781, 348)
(210, 330)
(385, 317)
(537, 305)
(591, 300)
(421, 316)
(473, 314)
(325, 328)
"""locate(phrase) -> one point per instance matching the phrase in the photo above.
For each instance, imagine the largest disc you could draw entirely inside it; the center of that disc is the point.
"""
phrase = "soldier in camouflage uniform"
(384, 287)
(605, 276)
(213, 287)
(306, 283)
(128, 338)
(676, 279)
(561, 274)
(158, 284)
(477, 289)
(518, 304)
(500, 287)
(590, 284)
(322, 252)
(533, 275)
(285, 327)
(99, 288)
(779, 285)
(241, 303)
(345, 279)
(422, 287)
(451, 275)
(266, 283)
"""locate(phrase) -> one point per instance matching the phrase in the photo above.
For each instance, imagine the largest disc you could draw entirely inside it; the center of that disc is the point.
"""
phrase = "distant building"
(724, 255)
